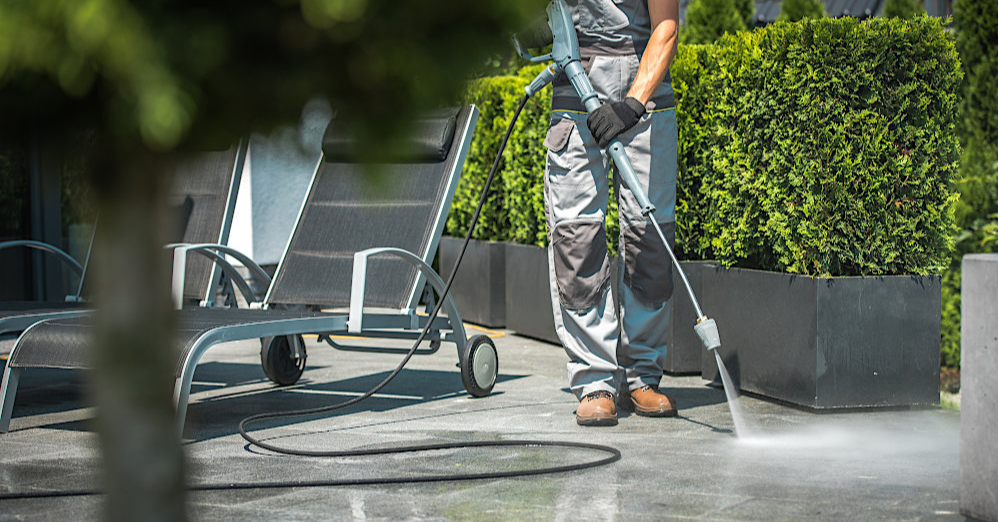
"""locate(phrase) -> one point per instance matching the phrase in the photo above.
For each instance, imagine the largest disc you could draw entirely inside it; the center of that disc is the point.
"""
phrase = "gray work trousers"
(605, 348)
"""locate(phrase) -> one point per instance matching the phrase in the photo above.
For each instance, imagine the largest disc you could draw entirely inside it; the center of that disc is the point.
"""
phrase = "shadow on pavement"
(219, 415)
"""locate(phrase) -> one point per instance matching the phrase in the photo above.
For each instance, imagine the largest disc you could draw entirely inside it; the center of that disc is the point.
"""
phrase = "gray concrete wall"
(979, 396)
(275, 180)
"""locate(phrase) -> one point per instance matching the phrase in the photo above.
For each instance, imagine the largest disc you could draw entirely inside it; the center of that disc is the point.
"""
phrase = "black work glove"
(607, 122)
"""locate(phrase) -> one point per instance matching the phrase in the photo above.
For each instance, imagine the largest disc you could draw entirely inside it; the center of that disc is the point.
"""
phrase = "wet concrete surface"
(794, 465)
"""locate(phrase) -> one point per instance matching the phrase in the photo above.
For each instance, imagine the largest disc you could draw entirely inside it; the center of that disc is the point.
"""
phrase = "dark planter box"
(978, 380)
(825, 343)
(480, 287)
(528, 293)
(529, 311)
(684, 348)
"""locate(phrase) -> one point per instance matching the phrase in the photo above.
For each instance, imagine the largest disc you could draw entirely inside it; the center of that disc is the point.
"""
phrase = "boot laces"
(599, 394)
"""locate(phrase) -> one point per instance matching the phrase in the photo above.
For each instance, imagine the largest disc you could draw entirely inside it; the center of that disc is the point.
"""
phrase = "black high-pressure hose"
(614, 454)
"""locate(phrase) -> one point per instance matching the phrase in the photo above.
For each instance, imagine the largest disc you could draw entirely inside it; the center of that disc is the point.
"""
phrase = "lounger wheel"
(479, 366)
(278, 359)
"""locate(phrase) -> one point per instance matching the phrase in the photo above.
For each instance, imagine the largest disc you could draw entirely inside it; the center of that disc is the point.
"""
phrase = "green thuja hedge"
(514, 209)
(823, 147)
(489, 95)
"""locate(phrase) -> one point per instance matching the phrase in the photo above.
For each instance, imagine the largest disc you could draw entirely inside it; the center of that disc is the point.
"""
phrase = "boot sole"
(655, 413)
(596, 421)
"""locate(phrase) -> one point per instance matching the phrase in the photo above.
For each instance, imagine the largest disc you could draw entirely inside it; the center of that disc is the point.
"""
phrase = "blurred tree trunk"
(133, 380)
(172, 76)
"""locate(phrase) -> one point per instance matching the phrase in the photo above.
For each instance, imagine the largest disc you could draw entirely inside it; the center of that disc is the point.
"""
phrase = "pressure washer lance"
(566, 58)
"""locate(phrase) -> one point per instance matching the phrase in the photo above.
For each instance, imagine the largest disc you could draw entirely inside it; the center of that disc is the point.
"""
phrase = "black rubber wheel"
(278, 362)
(479, 366)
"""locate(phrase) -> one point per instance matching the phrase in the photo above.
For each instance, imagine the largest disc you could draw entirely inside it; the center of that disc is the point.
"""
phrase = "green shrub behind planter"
(824, 147)
(976, 23)
(489, 95)
(525, 156)
(514, 210)
(694, 114)
(794, 10)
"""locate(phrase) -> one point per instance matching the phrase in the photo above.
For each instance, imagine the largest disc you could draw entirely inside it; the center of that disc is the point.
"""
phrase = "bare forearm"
(661, 49)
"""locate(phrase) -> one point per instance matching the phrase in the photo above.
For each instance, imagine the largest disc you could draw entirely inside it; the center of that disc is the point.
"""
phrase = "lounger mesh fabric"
(64, 343)
(342, 215)
(345, 213)
(203, 180)
(199, 195)
(14, 319)
(409, 216)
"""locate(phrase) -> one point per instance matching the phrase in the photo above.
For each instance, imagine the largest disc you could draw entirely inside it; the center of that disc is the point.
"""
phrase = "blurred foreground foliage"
(162, 74)
(153, 77)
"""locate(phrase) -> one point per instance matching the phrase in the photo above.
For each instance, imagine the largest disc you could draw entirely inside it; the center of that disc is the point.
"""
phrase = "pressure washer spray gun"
(565, 58)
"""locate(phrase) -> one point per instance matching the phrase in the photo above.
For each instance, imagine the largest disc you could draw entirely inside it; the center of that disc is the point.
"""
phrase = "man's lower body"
(611, 348)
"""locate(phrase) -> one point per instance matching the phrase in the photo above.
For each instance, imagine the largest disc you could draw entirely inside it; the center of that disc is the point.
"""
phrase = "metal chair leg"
(7, 392)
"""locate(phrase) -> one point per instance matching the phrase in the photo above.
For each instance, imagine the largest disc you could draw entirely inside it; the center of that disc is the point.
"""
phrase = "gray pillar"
(979, 388)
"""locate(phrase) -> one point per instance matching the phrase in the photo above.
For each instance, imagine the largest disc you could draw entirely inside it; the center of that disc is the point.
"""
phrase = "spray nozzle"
(706, 330)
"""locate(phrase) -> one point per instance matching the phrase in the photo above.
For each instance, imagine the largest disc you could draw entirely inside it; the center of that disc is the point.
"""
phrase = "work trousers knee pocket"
(647, 265)
(581, 266)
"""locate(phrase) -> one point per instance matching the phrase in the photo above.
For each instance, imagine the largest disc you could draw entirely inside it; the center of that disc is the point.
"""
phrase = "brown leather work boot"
(650, 402)
(597, 409)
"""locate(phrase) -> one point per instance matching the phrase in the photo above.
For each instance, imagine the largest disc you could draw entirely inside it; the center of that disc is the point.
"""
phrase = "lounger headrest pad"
(429, 140)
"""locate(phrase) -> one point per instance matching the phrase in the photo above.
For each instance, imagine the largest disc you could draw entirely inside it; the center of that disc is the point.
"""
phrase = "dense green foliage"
(514, 210)
(525, 193)
(708, 20)
(171, 72)
(903, 8)
(976, 24)
(824, 147)
(489, 95)
(795, 10)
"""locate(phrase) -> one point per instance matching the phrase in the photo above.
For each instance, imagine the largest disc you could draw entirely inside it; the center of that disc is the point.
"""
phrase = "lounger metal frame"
(14, 324)
(405, 323)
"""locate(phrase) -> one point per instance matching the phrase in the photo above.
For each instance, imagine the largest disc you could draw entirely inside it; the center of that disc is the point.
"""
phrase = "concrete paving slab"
(874, 465)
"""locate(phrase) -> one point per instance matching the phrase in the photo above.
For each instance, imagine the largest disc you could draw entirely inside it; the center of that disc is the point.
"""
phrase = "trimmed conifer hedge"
(514, 210)
(822, 147)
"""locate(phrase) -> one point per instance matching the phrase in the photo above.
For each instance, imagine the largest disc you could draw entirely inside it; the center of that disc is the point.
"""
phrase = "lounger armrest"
(38, 245)
(216, 253)
(355, 321)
